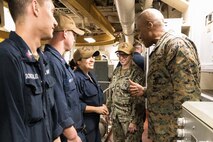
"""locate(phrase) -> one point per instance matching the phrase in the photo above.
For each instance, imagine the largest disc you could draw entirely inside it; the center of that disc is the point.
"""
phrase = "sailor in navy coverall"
(26, 96)
(66, 93)
(91, 92)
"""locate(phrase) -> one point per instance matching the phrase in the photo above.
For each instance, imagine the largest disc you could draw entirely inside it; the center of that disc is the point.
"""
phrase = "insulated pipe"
(180, 5)
(126, 14)
(148, 4)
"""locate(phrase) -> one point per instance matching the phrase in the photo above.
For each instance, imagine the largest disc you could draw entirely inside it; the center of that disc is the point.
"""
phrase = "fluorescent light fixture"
(89, 39)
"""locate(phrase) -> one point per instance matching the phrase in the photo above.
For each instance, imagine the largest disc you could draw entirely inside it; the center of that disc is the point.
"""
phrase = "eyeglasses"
(74, 34)
(93, 57)
(123, 55)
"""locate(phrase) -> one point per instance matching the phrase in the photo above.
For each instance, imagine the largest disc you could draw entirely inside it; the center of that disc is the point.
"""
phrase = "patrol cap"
(84, 53)
(125, 47)
(66, 22)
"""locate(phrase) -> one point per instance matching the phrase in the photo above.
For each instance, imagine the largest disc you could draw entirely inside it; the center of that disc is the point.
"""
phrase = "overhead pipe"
(126, 14)
(180, 5)
(148, 4)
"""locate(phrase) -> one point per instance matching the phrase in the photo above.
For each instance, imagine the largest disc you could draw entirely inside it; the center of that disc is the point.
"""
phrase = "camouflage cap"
(84, 53)
(125, 47)
(66, 22)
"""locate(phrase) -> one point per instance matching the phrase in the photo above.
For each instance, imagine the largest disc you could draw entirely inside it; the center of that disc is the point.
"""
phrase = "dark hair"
(72, 64)
(18, 7)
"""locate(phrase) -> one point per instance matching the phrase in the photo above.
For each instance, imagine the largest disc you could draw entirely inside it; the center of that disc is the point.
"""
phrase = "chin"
(122, 63)
(47, 37)
(148, 44)
(91, 68)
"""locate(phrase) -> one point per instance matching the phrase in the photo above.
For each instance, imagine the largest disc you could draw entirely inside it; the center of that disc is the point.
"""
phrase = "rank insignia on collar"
(29, 54)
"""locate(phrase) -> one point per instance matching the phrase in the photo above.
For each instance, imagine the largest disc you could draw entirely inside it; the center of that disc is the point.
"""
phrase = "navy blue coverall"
(27, 107)
(65, 92)
(138, 59)
(92, 95)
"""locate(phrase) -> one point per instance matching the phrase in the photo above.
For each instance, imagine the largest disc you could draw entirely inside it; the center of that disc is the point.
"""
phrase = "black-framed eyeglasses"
(123, 55)
(74, 34)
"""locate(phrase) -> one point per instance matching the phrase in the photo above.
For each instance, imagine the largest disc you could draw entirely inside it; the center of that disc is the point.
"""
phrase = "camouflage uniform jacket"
(173, 78)
(119, 101)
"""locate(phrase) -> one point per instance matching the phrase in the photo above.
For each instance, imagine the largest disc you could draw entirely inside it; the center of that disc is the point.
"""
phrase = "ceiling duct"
(180, 5)
(126, 14)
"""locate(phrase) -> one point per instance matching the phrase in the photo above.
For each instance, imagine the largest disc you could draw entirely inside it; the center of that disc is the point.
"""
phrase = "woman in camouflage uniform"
(126, 111)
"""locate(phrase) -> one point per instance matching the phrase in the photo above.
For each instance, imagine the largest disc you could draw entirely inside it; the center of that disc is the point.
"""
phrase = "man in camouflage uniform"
(126, 111)
(173, 78)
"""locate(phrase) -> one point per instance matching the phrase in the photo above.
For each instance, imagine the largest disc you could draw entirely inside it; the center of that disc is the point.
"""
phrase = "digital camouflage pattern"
(173, 78)
(125, 108)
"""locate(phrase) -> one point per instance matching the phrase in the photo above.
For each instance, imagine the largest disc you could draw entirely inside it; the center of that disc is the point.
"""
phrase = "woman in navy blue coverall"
(91, 93)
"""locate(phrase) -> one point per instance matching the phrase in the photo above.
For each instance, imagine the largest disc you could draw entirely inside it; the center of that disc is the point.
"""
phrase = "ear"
(65, 34)
(149, 25)
(35, 7)
(78, 62)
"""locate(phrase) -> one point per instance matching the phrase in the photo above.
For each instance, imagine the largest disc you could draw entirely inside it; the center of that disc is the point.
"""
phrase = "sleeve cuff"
(60, 128)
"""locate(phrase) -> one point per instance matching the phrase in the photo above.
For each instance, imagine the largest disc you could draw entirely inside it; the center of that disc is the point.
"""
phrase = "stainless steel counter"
(196, 124)
(207, 95)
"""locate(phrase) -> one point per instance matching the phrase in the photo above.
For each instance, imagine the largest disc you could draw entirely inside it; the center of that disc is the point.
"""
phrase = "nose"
(139, 35)
(92, 59)
(55, 23)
